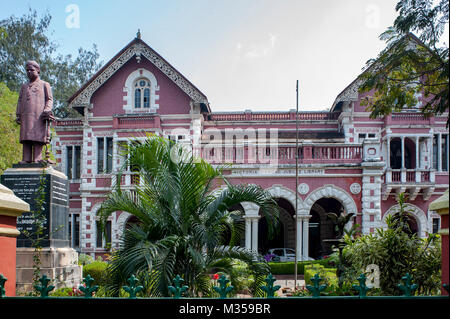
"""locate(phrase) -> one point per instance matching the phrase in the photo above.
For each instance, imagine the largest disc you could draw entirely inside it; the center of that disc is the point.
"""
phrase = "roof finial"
(138, 34)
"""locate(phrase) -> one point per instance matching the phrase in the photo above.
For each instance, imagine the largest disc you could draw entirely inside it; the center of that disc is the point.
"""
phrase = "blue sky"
(242, 54)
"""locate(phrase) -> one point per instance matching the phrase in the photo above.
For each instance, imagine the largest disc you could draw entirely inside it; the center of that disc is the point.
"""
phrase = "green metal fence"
(177, 290)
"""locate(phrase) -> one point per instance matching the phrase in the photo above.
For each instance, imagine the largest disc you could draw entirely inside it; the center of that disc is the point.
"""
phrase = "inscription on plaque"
(55, 207)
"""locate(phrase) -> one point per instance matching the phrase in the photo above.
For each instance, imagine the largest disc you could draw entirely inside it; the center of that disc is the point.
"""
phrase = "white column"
(388, 149)
(299, 236)
(417, 152)
(403, 152)
(418, 174)
(430, 152)
(439, 152)
(305, 237)
(255, 234)
(248, 233)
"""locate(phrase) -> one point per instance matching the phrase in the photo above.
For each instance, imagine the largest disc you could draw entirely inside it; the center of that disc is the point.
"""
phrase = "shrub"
(96, 270)
(288, 268)
(84, 259)
(397, 253)
(61, 292)
(327, 274)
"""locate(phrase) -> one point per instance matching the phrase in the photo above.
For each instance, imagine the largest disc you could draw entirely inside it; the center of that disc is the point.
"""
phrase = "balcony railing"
(136, 121)
(68, 122)
(273, 116)
(308, 154)
(409, 176)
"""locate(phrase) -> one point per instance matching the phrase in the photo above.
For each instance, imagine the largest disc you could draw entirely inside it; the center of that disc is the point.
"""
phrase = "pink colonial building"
(347, 161)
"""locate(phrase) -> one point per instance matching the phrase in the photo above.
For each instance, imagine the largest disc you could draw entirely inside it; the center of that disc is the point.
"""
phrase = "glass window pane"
(444, 148)
(108, 232)
(99, 240)
(147, 98)
(76, 242)
(436, 225)
(77, 162)
(100, 149)
(69, 162)
(137, 98)
(109, 154)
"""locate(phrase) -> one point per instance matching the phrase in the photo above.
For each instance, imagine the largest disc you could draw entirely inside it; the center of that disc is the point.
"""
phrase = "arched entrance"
(285, 234)
(417, 220)
(321, 227)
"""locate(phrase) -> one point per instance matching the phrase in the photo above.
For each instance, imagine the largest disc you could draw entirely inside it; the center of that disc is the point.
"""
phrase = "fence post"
(361, 288)
(270, 289)
(132, 289)
(316, 289)
(178, 290)
(407, 288)
(89, 289)
(223, 290)
(44, 288)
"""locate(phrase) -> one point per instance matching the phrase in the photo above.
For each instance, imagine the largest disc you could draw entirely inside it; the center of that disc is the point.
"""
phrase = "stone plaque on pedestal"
(25, 181)
(58, 260)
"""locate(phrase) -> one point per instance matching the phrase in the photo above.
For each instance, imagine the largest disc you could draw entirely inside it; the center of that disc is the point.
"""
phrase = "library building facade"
(347, 161)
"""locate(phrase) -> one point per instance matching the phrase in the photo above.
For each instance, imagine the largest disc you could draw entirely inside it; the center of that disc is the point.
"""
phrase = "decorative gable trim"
(137, 48)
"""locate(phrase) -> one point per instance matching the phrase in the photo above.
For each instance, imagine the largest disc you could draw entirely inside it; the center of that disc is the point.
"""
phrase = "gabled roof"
(350, 93)
(136, 48)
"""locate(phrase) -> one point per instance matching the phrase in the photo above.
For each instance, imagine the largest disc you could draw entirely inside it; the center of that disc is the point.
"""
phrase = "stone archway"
(279, 191)
(416, 212)
(331, 191)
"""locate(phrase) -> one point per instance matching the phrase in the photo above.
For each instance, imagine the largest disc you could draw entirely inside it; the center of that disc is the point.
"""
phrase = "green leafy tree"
(396, 251)
(183, 227)
(10, 148)
(27, 38)
(410, 66)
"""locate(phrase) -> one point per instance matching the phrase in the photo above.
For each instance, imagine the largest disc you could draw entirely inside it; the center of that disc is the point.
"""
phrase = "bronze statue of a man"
(34, 111)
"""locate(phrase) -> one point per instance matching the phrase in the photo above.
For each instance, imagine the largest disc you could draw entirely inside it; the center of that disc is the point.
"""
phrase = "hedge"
(288, 268)
(96, 270)
(327, 274)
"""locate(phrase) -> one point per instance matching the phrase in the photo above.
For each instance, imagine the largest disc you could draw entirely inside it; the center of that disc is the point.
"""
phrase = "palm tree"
(182, 225)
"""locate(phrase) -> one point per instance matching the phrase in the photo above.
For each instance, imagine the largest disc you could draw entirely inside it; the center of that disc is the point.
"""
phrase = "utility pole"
(296, 187)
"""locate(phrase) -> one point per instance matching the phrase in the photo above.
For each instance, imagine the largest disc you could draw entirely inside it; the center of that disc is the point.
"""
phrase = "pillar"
(305, 243)
(439, 152)
(299, 219)
(417, 153)
(251, 225)
(388, 149)
(430, 152)
(10, 208)
(248, 233)
(403, 152)
(255, 234)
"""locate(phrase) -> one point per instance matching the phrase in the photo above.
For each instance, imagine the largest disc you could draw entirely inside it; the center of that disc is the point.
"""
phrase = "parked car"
(284, 254)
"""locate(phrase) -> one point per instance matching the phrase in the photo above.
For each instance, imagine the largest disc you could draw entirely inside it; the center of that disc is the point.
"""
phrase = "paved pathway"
(287, 283)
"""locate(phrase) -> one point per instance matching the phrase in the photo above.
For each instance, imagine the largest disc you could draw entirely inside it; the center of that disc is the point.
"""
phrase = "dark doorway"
(284, 236)
(396, 153)
(321, 227)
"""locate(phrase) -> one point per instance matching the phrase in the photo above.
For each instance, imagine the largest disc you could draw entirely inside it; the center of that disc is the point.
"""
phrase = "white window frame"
(129, 90)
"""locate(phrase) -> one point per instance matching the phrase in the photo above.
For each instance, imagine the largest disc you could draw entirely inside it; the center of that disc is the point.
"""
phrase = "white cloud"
(257, 50)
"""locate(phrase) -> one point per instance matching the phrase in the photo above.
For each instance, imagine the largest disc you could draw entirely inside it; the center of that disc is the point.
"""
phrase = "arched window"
(142, 93)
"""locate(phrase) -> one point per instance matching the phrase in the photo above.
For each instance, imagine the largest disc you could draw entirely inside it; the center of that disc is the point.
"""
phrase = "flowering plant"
(268, 257)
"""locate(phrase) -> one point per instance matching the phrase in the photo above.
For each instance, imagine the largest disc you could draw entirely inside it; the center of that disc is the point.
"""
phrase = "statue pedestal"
(58, 260)
(59, 264)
